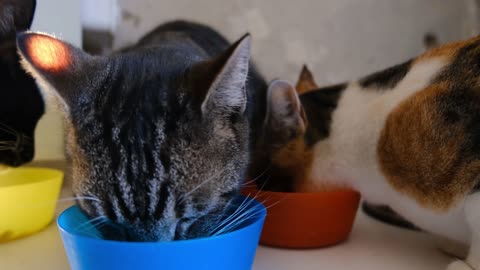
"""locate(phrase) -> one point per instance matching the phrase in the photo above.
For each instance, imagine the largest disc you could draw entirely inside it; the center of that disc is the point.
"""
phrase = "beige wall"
(61, 18)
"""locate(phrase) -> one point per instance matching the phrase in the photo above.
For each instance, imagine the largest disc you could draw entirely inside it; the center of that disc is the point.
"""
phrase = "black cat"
(21, 104)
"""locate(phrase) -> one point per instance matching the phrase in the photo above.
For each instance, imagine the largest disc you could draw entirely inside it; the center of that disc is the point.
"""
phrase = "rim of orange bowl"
(300, 194)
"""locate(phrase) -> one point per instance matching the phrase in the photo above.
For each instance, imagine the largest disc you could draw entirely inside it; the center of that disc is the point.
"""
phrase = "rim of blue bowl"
(259, 217)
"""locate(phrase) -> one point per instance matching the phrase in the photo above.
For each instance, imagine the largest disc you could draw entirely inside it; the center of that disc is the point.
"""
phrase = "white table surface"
(372, 245)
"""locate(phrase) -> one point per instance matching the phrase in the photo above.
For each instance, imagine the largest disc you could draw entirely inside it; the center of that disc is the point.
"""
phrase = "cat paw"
(459, 265)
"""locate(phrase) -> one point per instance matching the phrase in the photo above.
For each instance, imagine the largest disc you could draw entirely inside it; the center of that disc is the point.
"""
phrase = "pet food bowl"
(306, 220)
(234, 250)
(28, 197)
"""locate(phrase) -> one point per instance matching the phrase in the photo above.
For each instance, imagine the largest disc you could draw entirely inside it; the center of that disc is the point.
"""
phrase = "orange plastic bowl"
(306, 220)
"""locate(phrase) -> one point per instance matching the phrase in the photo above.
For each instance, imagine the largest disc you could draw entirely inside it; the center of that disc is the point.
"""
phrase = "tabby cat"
(158, 133)
(21, 104)
(407, 137)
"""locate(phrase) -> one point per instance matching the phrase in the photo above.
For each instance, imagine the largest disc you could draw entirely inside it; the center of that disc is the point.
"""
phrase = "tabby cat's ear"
(285, 119)
(306, 82)
(54, 64)
(228, 72)
(15, 16)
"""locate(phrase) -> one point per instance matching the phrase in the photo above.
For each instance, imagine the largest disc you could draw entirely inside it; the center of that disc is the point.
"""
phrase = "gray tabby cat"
(159, 132)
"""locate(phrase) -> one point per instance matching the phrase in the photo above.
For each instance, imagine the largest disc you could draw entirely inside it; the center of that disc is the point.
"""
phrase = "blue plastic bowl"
(234, 250)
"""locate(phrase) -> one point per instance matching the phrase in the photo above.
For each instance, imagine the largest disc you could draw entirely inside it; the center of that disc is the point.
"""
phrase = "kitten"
(158, 132)
(21, 104)
(405, 137)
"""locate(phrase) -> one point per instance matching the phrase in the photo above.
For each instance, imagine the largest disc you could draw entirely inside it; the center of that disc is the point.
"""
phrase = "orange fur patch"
(47, 53)
(306, 82)
(296, 159)
(448, 50)
(421, 156)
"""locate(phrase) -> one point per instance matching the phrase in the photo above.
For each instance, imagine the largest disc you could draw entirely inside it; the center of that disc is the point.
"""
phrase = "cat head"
(21, 104)
(282, 147)
(294, 122)
(158, 138)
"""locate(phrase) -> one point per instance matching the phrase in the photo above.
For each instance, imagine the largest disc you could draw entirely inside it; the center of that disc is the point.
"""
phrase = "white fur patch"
(49, 94)
(348, 157)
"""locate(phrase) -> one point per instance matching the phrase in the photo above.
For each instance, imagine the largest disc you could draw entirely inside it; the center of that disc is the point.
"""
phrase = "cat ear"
(226, 92)
(285, 118)
(15, 16)
(306, 82)
(54, 64)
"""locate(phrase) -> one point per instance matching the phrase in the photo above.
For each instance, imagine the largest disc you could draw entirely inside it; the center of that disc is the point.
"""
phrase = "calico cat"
(21, 104)
(306, 83)
(407, 137)
(158, 133)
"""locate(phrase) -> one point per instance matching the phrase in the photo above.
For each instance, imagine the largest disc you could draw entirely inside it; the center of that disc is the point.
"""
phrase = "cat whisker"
(222, 222)
(21, 137)
(92, 222)
(86, 198)
(237, 212)
(87, 230)
(10, 143)
(27, 138)
(212, 177)
(262, 187)
(241, 218)
(246, 184)
(238, 220)
(8, 129)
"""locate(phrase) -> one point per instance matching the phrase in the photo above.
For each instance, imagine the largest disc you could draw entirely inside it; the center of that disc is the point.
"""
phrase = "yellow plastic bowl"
(28, 197)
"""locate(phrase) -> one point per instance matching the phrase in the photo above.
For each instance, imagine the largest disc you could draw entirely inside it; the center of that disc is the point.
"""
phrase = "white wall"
(339, 39)
(62, 18)
(99, 14)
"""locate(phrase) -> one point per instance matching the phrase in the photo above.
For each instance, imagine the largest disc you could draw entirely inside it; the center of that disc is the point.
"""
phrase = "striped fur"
(158, 132)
